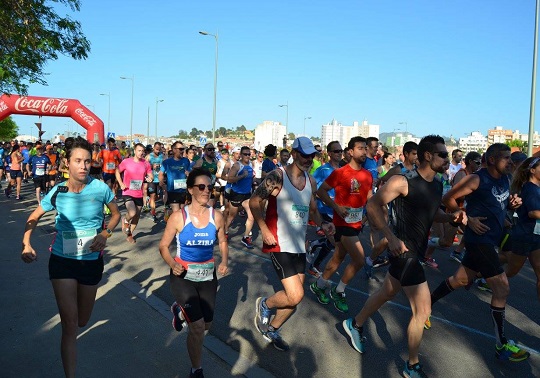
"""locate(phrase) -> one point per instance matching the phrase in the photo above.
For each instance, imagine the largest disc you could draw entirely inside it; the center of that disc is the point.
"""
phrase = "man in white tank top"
(290, 194)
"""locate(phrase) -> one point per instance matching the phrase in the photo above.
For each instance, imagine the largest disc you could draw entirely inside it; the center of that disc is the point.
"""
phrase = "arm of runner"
(119, 179)
(322, 193)
(464, 187)
(198, 163)
(395, 187)
(100, 241)
(232, 176)
(28, 253)
(392, 172)
(514, 201)
(174, 225)
(328, 228)
(223, 244)
(271, 185)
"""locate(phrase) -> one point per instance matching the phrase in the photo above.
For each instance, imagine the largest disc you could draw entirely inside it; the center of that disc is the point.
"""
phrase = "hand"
(122, 185)
(475, 224)
(148, 179)
(460, 217)
(28, 254)
(99, 243)
(177, 269)
(342, 211)
(328, 228)
(268, 238)
(223, 269)
(396, 246)
(514, 201)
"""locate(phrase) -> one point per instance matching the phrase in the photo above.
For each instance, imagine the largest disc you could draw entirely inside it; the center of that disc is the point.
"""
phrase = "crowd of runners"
(484, 207)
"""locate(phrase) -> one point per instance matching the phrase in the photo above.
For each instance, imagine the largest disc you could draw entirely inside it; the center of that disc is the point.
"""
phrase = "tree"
(182, 134)
(515, 143)
(291, 136)
(222, 131)
(8, 129)
(32, 33)
(194, 133)
(241, 128)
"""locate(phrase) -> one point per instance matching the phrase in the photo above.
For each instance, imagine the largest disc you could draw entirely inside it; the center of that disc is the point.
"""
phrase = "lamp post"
(530, 140)
(404, 123)
(109, 114)
(132, 78)
(157, 102)
(287, 120)
(215, 85)
(305, 124)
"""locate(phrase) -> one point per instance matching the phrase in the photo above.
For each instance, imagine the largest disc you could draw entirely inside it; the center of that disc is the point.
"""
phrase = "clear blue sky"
(447, 67)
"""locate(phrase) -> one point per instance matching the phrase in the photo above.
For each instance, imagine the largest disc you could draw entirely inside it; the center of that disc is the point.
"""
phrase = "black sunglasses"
(310, 156)
(442, 154)
(337, 151)
(202, 186)
(477, 162)
(210, 149)
(246, 153)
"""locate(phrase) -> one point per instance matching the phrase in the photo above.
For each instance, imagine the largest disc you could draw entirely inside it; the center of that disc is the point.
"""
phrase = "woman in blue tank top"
(193, 277)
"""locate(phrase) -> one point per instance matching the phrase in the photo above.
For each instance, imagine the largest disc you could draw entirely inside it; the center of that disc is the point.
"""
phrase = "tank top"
(244, 185)
(413, 214)
(489, 200)
(210, 167)
(153, 160)
(196, 244)
(287, 215)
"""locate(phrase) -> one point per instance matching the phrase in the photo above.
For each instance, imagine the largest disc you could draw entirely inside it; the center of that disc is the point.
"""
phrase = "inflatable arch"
(54, 107)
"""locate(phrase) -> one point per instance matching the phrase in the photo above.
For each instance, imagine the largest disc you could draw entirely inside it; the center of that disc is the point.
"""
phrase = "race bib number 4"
(300, 215)
(198, 272)
(135, 185)
(355, 214)
(77, 243)
(179, 184)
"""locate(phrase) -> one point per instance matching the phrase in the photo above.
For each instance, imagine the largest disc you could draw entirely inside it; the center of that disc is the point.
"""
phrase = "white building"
(336, 131)
(399, 139)
(474, 142)
(525, 137)
(269, 132)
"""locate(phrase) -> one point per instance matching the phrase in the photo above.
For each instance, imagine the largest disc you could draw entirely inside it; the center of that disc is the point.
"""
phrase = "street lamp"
(132, 78)
(287, 121)
(109, 115)
(215, 85)
(530, 140)
(305, 124)
(157, 102)
(404, 123)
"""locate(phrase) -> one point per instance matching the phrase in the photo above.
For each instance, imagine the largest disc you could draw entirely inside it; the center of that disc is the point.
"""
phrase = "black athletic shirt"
(413, 214)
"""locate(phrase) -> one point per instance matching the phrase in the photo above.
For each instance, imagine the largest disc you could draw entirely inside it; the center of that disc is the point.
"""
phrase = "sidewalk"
(129, 333)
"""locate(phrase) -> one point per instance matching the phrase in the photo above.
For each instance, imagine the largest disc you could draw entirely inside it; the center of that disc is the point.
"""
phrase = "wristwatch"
(109, 232)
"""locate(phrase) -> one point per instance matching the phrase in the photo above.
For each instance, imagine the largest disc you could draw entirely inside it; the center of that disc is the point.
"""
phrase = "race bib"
(536, 230)
(111, 166)
(135, 185)
(300, 215)
(199, 272)
(355, 214)
(40, 171)
(77, 243)
(179, 184)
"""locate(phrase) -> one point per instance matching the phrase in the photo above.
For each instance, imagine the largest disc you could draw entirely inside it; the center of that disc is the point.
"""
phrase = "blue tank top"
(244, 185)
(196, 244)
(153, 160)
(489, 200)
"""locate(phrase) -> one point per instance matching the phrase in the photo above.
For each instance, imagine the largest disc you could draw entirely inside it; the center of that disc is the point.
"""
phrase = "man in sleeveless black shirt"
(417, 197)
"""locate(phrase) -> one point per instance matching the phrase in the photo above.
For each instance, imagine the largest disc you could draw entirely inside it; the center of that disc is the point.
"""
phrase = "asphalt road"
(460, 343)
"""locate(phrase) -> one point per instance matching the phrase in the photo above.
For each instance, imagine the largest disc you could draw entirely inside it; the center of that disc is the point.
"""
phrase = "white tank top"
(287, 216)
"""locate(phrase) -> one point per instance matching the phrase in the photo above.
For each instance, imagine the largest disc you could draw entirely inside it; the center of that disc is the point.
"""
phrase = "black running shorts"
(198, 299)
(483, 258)
(86, 272)
(407, 269)
(288, 264)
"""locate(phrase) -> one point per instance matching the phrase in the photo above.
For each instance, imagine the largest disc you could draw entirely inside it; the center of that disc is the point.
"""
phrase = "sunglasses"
(201, 187)
(442, 154)
(260, 156)
(246, 153)
(181, 149)
(220, 145)
(310, 156)
(337, 151)
(210, 149)
(478, 162)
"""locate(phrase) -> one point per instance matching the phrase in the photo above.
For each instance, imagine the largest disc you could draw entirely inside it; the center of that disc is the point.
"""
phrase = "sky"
(445, 67)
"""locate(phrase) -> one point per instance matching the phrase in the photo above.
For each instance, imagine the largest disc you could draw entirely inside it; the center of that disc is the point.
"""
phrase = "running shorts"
(86, 272)
(197, 299)
(483, 258)
(288, 264)
(407, 269)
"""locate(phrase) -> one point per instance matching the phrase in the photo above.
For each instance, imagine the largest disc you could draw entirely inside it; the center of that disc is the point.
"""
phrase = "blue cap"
(304, 145)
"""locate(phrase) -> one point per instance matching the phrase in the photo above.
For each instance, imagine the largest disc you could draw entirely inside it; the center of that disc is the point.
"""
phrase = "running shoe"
(18, 198)
(433, 242)
(246, 240)
(313, 248)
(427, 323)
(154, 218)
(178, 322)
(357, 340)
(415, 371)
(483, 285)
(340, 301)
(458, 256)
(145, 209)
(429, 261)
(368, 269)
(511, 352)
(381, 261)
(126, 227)
(262, 315)
(277, 341)
(196, 374)
(314, 271)
(319, 293)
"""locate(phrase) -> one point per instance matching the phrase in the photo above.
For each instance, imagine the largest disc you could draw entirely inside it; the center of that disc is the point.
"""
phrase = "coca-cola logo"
(85, 117)
(42, 106)
(3, 106)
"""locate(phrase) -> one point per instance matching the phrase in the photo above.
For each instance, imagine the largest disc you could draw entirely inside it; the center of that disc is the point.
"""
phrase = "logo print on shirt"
(500, 195)
(355, 186)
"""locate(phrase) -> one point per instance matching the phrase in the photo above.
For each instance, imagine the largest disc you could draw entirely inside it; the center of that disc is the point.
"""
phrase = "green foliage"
(516, 143)
(182, 134)
(291, 136)
(31, 34)
(8, 129)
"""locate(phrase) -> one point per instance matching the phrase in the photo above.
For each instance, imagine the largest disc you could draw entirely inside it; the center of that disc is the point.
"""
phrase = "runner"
(284, 156)
(209, 162)
(40, 172)
(111, 158)
(289, 192)
(53, 171)
(155, 158)
(270, 151)
(172, 176)
(96, 170)
(220, 183)
(241, 178)
(136, 170)
(416, 196)
(488, 197)
(192, 276)
(76, 262)
(15, 172)
(353, 187)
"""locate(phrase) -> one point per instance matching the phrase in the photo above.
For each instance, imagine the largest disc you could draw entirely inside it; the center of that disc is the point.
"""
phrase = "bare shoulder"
(272, 181)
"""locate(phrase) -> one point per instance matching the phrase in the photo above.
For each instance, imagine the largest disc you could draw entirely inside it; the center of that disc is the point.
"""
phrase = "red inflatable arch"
(54, 107)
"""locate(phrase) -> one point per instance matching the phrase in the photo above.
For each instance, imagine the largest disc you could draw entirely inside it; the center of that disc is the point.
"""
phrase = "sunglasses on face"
(246, 153)
(442, 154)
(210, 149)
(304, 156)
(478, 162)
(177, 148)
(201, 187)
